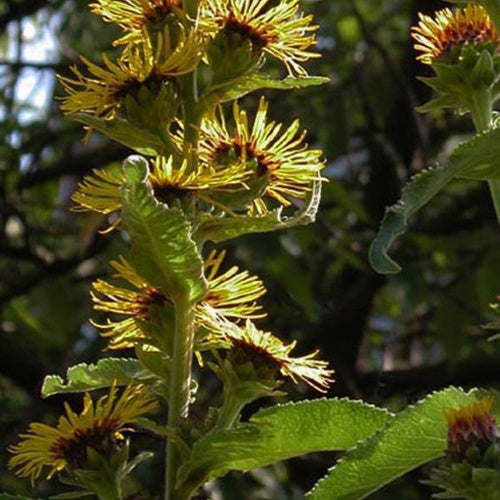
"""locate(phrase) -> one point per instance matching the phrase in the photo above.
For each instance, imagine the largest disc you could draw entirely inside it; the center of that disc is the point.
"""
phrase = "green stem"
(180, 382)
(481, 108)
(230, 411)
(495, 196)
(192, 118)
(482, 111)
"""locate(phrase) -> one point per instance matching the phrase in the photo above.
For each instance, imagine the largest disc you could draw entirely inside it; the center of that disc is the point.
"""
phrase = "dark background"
(391, 339)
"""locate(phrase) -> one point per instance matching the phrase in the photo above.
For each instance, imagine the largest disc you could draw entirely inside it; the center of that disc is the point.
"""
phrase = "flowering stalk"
(493, 8)
(463, 49)
(202, 173)
(180, 383)
(481, 112)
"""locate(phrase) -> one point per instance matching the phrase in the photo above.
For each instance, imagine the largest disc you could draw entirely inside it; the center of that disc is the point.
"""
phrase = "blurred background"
(391, 340)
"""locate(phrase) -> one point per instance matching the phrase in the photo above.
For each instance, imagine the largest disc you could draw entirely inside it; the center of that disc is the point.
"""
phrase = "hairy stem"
(180, 383)
(482, 111)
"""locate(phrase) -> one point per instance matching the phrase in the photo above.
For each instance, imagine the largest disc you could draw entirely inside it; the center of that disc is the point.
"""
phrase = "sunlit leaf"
(163, 251)
(279, 433)
(124, 132)
(222, 229)
(413, 437)
(243, 85)
(87, 377)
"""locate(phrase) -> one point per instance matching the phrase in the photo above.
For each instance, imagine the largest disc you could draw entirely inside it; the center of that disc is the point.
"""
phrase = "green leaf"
(163, 251)
(414, 437)
(123, 132)
(222, 229)
(84, 377)
(281, 432)
(479, 154)
(234, 89)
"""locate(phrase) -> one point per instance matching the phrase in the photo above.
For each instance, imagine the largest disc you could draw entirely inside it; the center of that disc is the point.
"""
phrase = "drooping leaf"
(243, 85)
(125, 133)
(222, 229)
(162, 249)
(87, 377)
(279, 433)
(476, 158)
(411, 438)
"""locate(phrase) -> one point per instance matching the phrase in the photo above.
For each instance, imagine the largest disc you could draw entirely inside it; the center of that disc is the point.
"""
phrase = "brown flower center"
(101, 437)
(259, 40)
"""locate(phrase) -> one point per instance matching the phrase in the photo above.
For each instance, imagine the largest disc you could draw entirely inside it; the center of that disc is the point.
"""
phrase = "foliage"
(391, 340)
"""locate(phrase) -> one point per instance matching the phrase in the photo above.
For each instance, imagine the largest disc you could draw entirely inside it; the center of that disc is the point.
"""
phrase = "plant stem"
(230, 411)
(495, 196)
(481, 111)
(180, 382)
(191, 115)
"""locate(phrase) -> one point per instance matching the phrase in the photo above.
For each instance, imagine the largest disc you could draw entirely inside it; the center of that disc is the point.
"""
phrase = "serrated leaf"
(243, 85)
(162, 249)
(414, 437)
(123, 132)
(481, 153)
(218, 230)
(87, 377)
(279, 433)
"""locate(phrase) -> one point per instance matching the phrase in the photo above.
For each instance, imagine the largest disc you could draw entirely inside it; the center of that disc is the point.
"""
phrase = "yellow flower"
(166, 179)
(102, 91)
(436, 36)
(269, 355)
(98, 426)
(471, 426)
(133, 15)
(232, 294)
(100, 192)
(283, 156)
(278, 30)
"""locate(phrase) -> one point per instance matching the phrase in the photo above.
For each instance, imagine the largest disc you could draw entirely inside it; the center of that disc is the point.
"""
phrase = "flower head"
(100, 192)
(133, 15)
(435, 37)
(262, 150)
(471, 426)
(99, 426)
(231, 295)
(102, 92)
(261, 355)
(276, 30)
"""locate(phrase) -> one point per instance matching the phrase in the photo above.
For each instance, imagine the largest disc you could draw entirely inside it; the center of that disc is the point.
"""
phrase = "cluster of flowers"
(160, 47)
